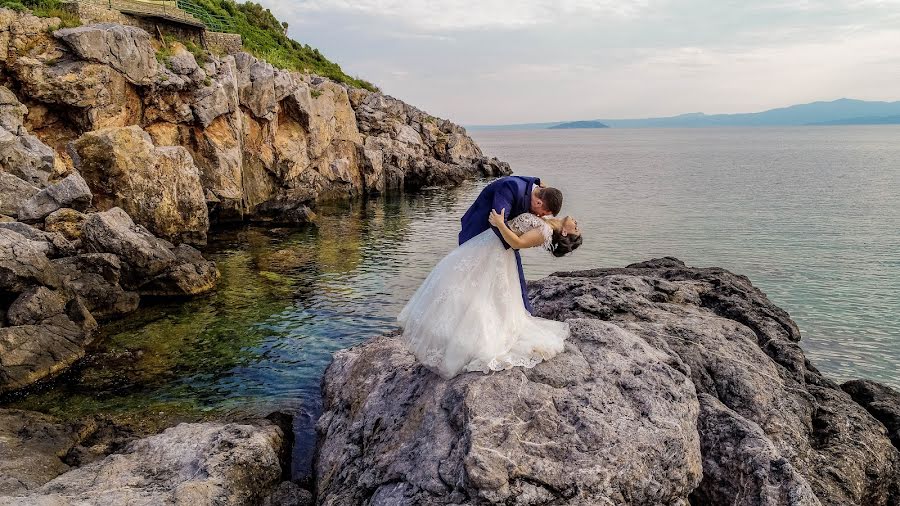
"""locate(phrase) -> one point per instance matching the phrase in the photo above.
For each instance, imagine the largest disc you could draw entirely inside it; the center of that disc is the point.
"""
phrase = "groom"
(515, 195)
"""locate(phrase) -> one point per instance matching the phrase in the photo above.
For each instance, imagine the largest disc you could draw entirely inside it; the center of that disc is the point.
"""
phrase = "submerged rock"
(678, 385)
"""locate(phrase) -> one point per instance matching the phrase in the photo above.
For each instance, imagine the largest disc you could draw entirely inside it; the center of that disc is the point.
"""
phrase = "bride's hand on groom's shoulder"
(495, 218)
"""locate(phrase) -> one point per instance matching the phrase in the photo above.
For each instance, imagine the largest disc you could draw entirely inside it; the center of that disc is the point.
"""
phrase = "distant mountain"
(579, 124)
(869, 120)
(835, 112)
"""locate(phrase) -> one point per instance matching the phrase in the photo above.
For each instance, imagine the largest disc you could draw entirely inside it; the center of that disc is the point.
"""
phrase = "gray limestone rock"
(124, 48)
(72, 192)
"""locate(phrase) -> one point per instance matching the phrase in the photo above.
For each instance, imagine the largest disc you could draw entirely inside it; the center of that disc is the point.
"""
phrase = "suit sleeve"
(503, 200)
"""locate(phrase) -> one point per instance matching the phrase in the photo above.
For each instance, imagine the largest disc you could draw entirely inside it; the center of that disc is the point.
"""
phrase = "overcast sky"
(494, 62)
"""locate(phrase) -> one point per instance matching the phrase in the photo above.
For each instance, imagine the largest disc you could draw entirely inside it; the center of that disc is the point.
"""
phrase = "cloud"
(477, 14)
(536, 60)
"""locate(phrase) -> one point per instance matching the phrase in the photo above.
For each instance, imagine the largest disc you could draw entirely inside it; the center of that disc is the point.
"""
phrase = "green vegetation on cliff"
(265, 37)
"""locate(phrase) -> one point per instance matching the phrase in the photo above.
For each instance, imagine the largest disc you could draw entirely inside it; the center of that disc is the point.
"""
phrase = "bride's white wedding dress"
(468, 314)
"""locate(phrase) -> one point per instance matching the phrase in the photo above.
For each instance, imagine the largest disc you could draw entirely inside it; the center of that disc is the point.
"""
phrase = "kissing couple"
(472, 312)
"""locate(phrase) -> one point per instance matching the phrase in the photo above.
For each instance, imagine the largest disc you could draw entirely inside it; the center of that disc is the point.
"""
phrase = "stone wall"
(91, 13)
(223, 43)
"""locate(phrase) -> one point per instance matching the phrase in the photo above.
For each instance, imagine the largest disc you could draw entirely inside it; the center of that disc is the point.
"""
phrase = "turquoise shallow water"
(811, 215)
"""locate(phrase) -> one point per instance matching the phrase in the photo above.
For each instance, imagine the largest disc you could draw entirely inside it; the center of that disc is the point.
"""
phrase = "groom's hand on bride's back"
(496, 219)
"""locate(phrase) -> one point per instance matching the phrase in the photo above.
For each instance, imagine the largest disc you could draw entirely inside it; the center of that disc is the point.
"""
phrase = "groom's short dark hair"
(552, 199)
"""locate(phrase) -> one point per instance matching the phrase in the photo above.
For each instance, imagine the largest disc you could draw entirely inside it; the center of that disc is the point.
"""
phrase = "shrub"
(265, 37)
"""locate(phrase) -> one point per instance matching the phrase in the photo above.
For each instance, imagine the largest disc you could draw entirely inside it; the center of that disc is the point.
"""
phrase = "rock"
(288, 208)
(191, 274)
(256, 85)
(33, 444)
(183, 62)
(14, 192)
(114, 232)
(289, 494)
(102, 94)
(12, 112)
(95, 278)
(124, 48)
(187, 465)
(611, 420)
(29, 353)
(735, 446)
(26, 157)
(66, 222)
(71, 192)
(492, 167)
(50, 243)
(881, 401)
(158, 186)
(24, 263)
(34, 305)
(775, 421)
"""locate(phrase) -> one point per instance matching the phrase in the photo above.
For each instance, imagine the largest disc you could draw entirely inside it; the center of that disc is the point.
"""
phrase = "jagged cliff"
(118, 150)
(263, 142)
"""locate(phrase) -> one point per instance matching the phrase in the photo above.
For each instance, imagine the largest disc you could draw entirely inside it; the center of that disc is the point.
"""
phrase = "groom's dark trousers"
(512, 193)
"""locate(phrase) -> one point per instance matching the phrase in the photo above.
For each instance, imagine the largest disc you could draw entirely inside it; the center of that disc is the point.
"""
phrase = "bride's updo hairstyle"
(562, 245)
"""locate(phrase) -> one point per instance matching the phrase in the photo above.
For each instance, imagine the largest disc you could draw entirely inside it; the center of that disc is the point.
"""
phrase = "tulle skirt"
(468, 314)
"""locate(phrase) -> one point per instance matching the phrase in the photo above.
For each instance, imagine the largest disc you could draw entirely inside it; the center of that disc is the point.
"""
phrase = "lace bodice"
(527, 221)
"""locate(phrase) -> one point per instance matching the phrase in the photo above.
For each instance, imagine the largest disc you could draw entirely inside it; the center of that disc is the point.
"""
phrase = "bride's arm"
(527, 240)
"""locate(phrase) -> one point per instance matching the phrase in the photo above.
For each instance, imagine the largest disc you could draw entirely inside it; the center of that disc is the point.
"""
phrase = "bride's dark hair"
(562, 245)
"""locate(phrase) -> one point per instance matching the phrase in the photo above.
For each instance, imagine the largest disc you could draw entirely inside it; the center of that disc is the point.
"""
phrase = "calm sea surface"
(811, 215)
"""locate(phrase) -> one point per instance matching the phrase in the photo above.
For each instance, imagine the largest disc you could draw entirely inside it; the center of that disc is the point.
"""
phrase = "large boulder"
(159, 187)
(611, 420)
(124, 48)
(678, 385)
(769, 421)
(66, 222)
(72, 192)
(187, 465)
(190, 274)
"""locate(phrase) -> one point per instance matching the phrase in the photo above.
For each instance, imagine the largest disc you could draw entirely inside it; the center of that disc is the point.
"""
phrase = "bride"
(468, 315)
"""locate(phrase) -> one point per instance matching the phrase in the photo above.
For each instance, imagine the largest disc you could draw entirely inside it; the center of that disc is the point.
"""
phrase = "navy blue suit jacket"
(512, 193)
